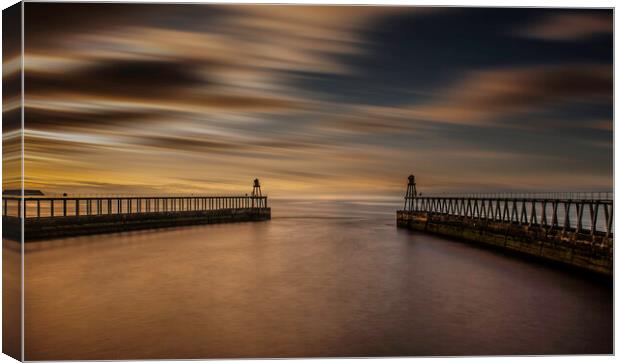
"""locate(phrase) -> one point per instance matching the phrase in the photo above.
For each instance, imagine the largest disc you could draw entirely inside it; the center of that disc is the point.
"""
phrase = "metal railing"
(605, 195)
(587, 215)
(46, 207)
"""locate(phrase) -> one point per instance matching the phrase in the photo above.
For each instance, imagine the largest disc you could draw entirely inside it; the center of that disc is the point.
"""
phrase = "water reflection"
(323, 278)
(11, 299)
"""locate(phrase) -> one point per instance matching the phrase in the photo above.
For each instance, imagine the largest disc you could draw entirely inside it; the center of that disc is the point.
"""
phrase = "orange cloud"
(483, 97)
(564, 27)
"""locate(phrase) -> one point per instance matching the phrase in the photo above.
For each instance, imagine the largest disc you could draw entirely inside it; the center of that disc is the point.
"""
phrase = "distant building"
(18, 192)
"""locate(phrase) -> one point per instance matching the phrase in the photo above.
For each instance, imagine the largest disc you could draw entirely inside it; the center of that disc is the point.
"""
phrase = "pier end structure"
(571, 229)
(57, 217)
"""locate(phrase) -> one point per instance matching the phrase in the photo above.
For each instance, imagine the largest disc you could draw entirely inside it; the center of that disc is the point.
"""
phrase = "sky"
(316, 101)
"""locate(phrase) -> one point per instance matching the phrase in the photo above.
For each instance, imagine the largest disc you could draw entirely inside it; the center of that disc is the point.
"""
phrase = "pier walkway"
(575, 229)
(53, 217)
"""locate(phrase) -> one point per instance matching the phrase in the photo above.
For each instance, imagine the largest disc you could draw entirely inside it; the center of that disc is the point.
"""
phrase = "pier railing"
(47, 207)
(577, 213)
(606, 195)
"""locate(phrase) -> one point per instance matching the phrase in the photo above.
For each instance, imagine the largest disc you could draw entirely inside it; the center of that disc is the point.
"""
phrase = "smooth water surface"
(320, 279)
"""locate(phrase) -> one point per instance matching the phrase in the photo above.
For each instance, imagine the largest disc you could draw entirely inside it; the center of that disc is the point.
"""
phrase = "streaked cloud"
(324, 101)
(488, 96)
(570, 27)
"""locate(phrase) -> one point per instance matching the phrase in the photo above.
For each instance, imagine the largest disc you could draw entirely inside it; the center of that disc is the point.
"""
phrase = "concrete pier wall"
(57, 227)
(584, 251)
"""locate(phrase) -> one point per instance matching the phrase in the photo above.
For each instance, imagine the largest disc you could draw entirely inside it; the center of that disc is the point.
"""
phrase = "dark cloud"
(118, 79)
(12, 84)
(216, 145)
(142, 74)
(48, 23)
(412, 56)
(12, 120)
(49, 19)
(11, 31)
(202, 144)
(11, 77)
(51, 119)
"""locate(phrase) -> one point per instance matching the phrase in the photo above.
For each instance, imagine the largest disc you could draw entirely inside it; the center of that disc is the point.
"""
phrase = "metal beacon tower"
(411, 193)
(256, 189)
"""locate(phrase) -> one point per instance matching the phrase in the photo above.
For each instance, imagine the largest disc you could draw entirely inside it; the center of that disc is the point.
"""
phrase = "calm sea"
(322, 278)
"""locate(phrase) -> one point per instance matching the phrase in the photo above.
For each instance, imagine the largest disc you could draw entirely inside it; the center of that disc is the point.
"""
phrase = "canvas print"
(194, 181)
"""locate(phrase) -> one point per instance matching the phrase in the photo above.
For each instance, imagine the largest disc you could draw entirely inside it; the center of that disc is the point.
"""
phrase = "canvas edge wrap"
(12, 167)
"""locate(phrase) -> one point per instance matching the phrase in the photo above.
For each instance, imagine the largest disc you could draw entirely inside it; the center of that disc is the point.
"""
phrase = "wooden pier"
(55, 217)
(574, 229)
